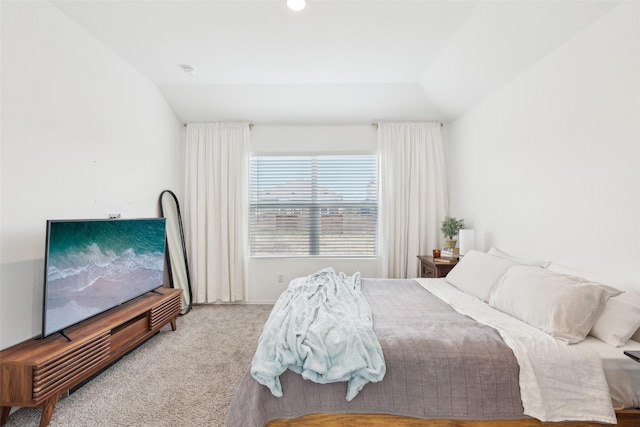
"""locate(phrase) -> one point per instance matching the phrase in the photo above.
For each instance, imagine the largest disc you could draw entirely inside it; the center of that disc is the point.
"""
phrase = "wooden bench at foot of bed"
(626, 418)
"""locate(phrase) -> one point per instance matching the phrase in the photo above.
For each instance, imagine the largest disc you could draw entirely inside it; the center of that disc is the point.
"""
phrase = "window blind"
(313, 205)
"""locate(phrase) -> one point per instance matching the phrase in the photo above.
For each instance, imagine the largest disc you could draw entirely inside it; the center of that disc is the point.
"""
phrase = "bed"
(445, 368)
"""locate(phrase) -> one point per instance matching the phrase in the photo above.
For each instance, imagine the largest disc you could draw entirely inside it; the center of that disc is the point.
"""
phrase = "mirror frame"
(183, 249)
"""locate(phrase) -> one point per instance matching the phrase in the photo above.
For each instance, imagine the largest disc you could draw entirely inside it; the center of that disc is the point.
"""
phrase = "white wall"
(549, 166)
(83, 134)
(263, 283)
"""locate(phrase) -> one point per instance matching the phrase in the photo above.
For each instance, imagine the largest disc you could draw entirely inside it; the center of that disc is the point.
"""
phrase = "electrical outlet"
(114, 215)
(280, 278)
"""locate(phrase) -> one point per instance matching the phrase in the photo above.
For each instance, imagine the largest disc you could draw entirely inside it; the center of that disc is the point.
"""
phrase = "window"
(313, 205)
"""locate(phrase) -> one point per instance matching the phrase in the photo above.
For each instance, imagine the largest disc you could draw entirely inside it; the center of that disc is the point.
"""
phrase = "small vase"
(451, 243)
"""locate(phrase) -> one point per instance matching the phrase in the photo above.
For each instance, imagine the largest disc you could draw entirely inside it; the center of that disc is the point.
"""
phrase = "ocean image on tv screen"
(95, 265)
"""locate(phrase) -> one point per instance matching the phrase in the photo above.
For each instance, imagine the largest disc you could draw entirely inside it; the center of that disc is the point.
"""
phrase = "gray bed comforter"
(440, 364)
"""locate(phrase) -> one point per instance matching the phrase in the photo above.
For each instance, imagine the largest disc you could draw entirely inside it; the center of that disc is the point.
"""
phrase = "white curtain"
(413, 194)
(216, 188)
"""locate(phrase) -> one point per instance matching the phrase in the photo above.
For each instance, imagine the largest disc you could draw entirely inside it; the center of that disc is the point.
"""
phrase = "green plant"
(451, 226)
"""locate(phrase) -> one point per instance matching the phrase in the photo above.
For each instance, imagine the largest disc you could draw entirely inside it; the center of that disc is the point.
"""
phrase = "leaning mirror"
(176, 249)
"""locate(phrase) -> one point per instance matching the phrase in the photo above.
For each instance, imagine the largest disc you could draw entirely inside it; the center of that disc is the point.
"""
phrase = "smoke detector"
(188, 69)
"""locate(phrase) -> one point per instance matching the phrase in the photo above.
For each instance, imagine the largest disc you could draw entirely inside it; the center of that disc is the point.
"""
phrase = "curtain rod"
(185, 125)
(375, 124)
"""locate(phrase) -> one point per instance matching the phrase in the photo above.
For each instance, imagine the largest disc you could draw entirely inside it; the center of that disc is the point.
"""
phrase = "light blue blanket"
(321, 328)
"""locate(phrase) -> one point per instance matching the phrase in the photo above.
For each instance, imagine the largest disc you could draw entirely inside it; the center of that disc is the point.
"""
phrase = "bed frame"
(626, 418)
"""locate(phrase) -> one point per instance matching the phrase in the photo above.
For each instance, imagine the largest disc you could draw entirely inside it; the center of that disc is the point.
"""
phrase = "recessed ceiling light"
(188, 69)
(296, 5)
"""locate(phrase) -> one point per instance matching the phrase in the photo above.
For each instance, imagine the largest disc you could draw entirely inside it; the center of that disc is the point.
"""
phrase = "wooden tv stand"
(38, 371)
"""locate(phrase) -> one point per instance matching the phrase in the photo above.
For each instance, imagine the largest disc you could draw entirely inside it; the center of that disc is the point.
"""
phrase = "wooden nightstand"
(431, 269)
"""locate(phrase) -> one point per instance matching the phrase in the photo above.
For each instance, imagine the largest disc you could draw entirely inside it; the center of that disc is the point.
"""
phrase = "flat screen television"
(94, 265)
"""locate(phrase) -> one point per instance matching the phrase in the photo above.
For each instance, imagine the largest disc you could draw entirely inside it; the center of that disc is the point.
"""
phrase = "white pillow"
(605, 279)
(565, 307)
(497, 252)
(477, 272)
(620, 318)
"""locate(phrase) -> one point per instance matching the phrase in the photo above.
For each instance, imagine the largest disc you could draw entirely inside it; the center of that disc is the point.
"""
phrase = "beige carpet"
(181, 378)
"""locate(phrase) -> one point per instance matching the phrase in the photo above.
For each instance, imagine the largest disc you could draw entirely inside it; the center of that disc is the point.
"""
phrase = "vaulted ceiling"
(336, 62)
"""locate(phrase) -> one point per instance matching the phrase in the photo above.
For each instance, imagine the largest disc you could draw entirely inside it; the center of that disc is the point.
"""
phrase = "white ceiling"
(337, 62)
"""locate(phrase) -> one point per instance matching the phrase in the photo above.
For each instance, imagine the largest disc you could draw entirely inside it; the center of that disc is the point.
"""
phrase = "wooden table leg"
(4, 417)
(47, 410)
(174, 326)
